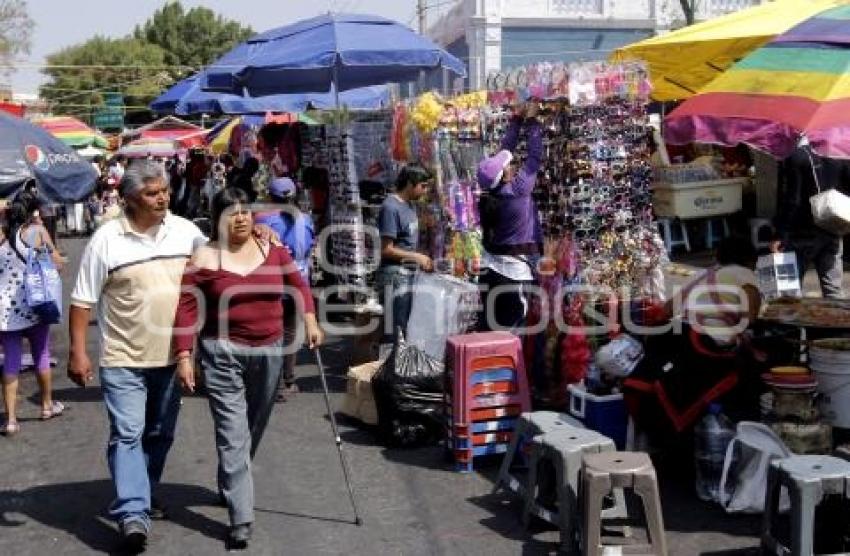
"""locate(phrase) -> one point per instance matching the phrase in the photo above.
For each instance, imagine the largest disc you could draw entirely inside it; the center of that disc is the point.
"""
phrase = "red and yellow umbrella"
(72, 132)
(797, 85)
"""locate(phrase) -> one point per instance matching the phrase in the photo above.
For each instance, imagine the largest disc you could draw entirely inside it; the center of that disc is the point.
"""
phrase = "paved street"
(54, 487)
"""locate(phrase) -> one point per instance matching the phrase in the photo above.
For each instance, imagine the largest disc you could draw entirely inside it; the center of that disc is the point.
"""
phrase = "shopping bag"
(830, 208)
(743, 482)
(43, 286)
(831, 211)
(441, 306)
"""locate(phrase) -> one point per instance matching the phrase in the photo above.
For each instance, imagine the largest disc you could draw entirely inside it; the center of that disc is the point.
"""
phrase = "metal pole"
(337, 439)
(423, 22)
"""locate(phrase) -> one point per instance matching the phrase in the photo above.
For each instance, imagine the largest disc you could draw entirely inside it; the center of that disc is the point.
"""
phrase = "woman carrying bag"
(23, 234)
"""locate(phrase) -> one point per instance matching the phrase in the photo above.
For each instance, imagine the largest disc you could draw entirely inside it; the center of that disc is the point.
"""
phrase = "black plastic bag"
(408, 390)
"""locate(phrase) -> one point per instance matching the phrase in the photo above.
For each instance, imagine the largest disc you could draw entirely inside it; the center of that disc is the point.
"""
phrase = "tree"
(191, 38)
(677, 13)
(15, 31)
(129, 66)
(689, 9)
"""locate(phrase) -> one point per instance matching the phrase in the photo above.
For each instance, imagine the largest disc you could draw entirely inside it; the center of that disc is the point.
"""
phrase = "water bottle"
(712, 436)
(593, 379)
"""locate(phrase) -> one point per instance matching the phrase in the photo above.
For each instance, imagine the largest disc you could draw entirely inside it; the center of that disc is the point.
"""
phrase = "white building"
(490, 35)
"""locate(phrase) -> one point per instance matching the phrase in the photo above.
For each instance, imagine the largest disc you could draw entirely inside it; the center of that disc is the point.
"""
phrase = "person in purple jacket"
(510, 223)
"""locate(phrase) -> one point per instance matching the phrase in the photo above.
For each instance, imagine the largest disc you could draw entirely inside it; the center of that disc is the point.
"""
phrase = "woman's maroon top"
(246, 310)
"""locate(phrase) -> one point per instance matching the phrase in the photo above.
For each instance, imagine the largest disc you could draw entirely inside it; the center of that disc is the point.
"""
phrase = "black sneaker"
(134, 536)
(239, 536)
(158, 510)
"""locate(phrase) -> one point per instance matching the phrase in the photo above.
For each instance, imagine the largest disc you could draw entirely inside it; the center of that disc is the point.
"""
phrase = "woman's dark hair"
(19, 213)
(412, 174)
(736, 250)
(223, 200)
(243, 178)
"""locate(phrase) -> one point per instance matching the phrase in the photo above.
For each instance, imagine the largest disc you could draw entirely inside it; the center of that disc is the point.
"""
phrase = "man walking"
(795, 227)
(131, 270)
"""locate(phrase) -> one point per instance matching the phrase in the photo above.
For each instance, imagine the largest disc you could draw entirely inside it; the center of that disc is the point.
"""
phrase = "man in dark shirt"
(795, 227)
(399, 228)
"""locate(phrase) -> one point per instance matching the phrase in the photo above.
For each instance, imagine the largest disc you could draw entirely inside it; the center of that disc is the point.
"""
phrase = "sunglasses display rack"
(593, 197)
(594, 185)
(349, 252)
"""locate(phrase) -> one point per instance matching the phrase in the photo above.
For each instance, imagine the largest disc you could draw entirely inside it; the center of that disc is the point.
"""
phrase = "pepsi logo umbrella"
(350, 50)
(28, 151)
(797, 85)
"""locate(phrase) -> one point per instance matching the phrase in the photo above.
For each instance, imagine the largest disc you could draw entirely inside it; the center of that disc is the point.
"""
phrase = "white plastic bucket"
(829, 359)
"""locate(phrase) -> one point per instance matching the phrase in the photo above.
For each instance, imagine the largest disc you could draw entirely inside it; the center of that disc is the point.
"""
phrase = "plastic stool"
(710, 237)
(808, 479)
(606, 470)
(486, 382)
(756, 226)
(527, 426)
(565, 447)
(666, 225)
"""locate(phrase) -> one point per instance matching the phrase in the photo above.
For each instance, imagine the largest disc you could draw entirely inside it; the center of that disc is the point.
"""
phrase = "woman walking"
(240, 281)
(23, 233)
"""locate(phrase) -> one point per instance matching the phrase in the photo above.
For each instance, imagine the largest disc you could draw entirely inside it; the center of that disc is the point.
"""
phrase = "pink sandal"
(12, 428)
(55, 410)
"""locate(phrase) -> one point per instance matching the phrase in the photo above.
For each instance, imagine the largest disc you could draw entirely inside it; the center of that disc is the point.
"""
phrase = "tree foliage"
(16, 27)
(171, 44)
(128, 65)
(191, 38)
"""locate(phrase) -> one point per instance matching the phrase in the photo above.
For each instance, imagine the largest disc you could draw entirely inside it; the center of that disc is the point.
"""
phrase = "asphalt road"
(55, 487)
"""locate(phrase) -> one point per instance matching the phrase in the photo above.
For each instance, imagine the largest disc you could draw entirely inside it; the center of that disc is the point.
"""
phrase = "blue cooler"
(604, 414)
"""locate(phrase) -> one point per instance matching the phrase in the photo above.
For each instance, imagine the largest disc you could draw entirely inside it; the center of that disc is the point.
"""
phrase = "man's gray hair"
(138, 174)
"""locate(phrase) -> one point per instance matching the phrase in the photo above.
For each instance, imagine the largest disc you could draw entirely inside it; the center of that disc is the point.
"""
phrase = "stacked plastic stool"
(808, 480)
(565, 447)
(634, 470)
(487, 391)
(526, 427)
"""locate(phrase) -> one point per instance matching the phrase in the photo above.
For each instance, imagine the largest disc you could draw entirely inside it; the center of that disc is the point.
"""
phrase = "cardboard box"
(698, 199)
(359, 402)
(778, 275)
(365, 345)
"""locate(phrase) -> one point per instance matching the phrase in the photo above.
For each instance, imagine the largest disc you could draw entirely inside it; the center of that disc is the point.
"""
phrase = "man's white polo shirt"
(134, 279)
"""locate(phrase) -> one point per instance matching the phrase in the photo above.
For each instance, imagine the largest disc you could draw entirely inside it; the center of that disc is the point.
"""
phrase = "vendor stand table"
(814, 317)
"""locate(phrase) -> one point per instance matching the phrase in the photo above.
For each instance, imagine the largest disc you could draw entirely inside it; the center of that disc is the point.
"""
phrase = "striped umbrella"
(798, 85)
(72, 132)
(141, 148)
(218, 139)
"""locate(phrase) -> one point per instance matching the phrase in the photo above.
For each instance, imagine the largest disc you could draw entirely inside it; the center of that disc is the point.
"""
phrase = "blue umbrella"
(186, 97)
(350, 50)
(28, 151)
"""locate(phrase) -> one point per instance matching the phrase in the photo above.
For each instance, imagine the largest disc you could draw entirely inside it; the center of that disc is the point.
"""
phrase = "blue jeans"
(142, 405)
(394, 284)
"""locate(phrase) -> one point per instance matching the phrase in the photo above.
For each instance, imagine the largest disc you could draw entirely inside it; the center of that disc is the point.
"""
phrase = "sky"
(61, 23)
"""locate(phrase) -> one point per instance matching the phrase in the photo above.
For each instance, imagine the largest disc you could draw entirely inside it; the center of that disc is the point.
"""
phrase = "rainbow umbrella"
(684, 61)
(72, 132)
(218, 139)
(797, 85)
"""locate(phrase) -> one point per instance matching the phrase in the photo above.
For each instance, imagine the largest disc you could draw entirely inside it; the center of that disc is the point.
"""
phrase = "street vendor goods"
(812, 312)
